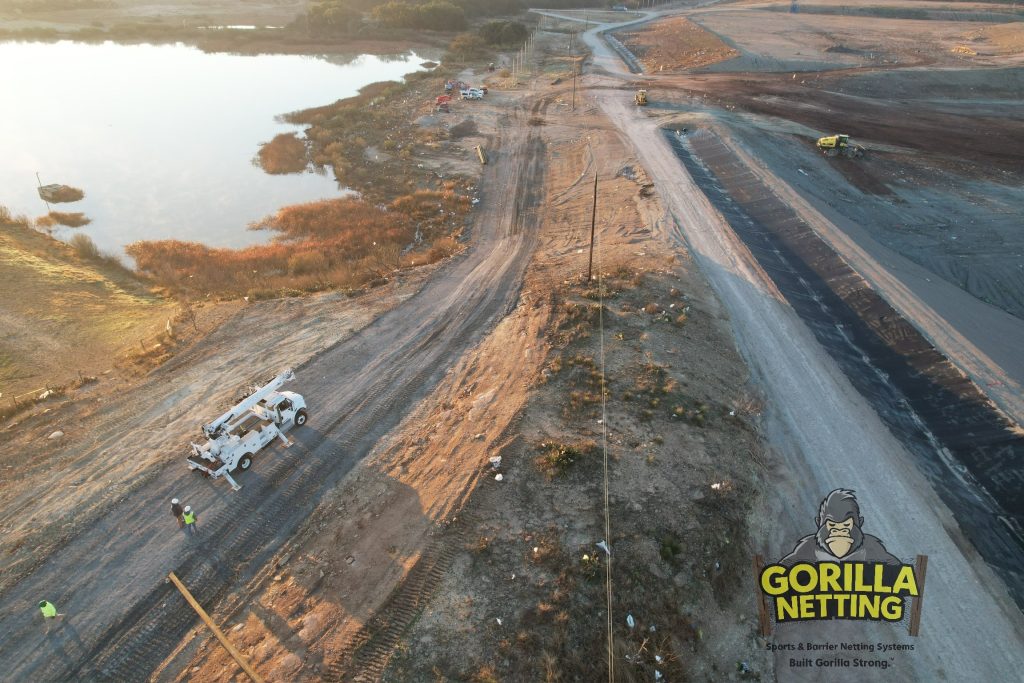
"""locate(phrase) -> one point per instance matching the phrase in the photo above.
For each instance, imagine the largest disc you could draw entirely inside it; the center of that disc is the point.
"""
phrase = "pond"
(162, 137)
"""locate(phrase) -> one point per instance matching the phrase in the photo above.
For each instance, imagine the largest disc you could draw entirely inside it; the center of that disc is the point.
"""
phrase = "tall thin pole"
(574, 84)
(593, 221)
(216, 631)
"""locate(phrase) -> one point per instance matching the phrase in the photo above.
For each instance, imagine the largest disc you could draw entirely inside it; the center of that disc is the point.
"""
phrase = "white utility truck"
(233, 439)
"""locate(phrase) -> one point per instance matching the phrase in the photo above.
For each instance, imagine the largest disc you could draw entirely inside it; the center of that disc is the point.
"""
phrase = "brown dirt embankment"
(423, 525)
(675, 44)
(65, 313)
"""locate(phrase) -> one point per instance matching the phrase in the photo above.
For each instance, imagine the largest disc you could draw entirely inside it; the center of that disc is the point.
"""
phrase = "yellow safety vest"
(189, 517)
(48, 610)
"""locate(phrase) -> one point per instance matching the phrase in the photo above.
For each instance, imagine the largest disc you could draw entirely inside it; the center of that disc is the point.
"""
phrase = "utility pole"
(573, 84)
(593, 221)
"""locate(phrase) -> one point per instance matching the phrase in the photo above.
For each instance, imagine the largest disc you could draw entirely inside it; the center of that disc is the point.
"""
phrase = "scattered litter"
(657, 675)
(498, 620)
(56, 435)
(537, 550)
(277, 577)
(651, 629)
(350, 559)
(499, 477)
(479, 437)
(495, 461)
(49, 392)
(802, 171)
(604, 546)
(718, 566)
(732, 413)
(475, 201)
(630, 621)
(721, 485)
(237, 627)
(657, 658)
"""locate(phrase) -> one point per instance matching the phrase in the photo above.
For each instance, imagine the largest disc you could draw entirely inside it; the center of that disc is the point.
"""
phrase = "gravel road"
(826, 437)
(123, 619)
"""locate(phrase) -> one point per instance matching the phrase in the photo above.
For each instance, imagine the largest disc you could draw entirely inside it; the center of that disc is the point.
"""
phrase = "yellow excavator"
(640, 99)
(834, 145)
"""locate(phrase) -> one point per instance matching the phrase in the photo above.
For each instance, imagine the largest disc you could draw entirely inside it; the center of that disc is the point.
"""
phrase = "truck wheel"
(245, 463)
(301, 417)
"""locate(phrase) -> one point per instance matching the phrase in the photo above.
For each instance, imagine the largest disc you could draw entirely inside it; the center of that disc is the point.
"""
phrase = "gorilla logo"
(839, 535)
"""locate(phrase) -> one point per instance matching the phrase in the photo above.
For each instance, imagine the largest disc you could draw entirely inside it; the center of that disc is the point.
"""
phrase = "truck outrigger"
(234, 438)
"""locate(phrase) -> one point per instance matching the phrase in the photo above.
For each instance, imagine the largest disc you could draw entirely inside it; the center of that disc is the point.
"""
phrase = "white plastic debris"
(499, 477)
(495, 461)
(56, 435)
(630, 621)
(657, 658)
(498, 620)
(46, 394)
(657, 675)
(604, 546)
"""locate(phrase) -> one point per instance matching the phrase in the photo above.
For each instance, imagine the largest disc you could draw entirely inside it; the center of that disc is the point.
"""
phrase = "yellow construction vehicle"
(834, 145)
(640, 99)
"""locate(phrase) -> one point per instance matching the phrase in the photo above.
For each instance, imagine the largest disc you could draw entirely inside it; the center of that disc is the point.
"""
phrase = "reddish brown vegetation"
(332, 243)
(284, 154)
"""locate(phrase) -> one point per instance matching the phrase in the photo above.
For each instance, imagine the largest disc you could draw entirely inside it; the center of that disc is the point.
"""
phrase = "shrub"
(284, 154)
(463, 129)
(84, 246)
(72, 220)
(307, 262)
(556, 458)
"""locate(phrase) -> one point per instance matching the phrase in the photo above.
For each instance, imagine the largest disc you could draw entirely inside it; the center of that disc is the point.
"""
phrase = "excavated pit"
(966, 447)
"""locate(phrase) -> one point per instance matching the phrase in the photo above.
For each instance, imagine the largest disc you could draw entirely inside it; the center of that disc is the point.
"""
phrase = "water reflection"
(162, 137)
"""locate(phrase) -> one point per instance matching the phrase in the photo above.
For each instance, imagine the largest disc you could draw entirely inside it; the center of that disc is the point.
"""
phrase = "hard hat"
(174, 501)
(43, 603)
(188, 508)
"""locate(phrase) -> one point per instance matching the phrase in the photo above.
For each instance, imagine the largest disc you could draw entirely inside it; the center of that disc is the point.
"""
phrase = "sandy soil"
(779, 41)
(675, 43)
(403, 534)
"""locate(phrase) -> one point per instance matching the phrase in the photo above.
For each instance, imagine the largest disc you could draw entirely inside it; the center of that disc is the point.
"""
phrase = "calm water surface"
(162, 137)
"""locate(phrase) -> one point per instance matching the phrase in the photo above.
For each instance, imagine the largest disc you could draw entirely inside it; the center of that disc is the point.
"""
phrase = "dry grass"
(338, 243)
(71, 220)
(284, 154)
(66, 193)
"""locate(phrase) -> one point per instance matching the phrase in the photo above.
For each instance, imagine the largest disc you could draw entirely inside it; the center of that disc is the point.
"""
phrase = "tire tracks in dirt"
(368, 382)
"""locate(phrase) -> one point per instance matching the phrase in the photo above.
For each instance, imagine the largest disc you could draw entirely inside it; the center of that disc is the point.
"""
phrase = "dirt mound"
(674, 44)
(1003, 39)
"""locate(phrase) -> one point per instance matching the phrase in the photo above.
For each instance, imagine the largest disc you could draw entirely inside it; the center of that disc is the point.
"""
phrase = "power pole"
(593, 221)
(573, 84)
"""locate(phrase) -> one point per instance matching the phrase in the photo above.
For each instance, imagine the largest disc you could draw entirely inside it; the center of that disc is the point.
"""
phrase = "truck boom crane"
(233, 439)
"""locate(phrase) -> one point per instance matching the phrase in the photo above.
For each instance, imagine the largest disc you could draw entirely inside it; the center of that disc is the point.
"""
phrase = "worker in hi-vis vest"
(189, 517)
(49, 612)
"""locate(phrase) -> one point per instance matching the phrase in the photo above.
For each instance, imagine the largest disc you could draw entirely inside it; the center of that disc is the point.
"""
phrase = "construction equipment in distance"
(234, 438)
(640, 99)
(834, 145)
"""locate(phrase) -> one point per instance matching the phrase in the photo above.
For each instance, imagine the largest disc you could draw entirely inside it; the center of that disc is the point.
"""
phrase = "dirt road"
(827, 436)
(123, 619)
